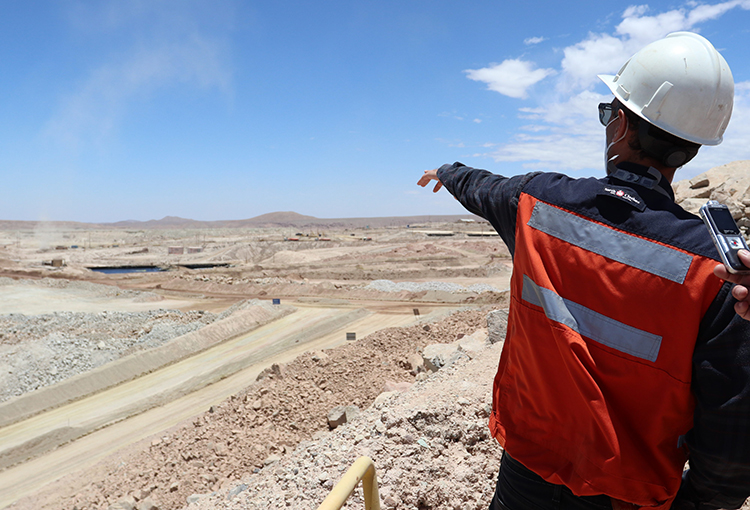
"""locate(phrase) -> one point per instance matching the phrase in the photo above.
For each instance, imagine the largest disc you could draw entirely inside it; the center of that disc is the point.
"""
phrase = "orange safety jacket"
(594, 375)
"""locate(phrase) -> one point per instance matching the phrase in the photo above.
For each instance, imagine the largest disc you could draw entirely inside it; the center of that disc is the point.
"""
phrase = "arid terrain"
(205, 376)
(94, 365)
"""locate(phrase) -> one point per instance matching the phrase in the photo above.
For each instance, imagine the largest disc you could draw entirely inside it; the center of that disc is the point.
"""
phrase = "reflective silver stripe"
(630, 250)
(591, 324)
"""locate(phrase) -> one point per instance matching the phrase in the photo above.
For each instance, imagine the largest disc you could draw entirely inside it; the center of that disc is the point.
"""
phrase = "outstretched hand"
(430, 175)
(740, 291)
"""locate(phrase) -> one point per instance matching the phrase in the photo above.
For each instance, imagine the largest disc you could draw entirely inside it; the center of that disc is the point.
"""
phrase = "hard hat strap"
(671, 153)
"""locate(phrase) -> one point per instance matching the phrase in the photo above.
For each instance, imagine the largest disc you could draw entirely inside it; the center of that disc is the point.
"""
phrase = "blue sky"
(211, 110)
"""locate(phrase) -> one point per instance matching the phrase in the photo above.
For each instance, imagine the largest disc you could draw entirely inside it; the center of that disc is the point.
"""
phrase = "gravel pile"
(431, 447)
(389, 286)
(230, 280)
(40, 350)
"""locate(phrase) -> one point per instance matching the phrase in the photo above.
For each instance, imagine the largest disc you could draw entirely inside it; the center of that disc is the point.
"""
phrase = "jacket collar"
(644, 176)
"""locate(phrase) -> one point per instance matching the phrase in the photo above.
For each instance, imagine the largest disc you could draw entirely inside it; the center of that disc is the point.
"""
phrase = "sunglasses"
(606, 113)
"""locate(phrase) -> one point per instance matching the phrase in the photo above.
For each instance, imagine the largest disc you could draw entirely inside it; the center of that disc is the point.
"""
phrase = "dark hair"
(655, 143)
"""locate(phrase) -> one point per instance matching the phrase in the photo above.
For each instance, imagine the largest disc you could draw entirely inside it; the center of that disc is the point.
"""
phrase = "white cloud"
(640, 29)
(534, 40)
(172, 56)
(535, 128)
(708, 12)
(598, 54)
(511, 78)
(571, 139)
(635, 10)
(452, 115)
(452, 143)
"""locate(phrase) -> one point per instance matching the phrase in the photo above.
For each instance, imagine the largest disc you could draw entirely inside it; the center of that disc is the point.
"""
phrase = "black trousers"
(519, 488)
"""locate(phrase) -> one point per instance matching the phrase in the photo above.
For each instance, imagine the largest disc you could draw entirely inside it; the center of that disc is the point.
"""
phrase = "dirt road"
(171, 395)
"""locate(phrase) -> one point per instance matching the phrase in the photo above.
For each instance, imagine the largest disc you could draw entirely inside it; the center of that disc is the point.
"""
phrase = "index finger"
(429, 175)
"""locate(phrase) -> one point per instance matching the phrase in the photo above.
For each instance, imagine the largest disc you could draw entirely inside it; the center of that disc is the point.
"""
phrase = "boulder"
(698, 182)
(147, 504)
(437, 356)
(232, 493)
(271, 459)
(272, 372)
(385, 396)
(475, 342)
(141, 494)
(726, 183)
(725, 193)
(692, 205)
(497, 324)
(415, 364)
(126, 503)
(342, 414)
(396, 386)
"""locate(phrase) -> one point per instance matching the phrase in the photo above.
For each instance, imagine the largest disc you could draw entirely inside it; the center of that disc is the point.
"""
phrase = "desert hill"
(269, 220)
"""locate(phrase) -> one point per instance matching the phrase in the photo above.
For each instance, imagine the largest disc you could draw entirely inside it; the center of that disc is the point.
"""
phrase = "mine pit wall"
(298, 291)
(137, 364)
(65, 434)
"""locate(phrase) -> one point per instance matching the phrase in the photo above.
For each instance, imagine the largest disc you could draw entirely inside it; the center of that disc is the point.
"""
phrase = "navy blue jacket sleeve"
(719, 443)
(493, 197)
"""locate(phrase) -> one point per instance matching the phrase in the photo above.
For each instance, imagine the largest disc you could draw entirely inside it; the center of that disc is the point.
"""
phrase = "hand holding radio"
(733, 252)
(726, 236)
(741, 291)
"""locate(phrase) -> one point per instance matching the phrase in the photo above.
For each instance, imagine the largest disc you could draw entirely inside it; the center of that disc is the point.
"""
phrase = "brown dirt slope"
(231, 441)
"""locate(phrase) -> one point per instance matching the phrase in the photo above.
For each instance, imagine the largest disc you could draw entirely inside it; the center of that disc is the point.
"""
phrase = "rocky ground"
(251, 433)
(40, 350)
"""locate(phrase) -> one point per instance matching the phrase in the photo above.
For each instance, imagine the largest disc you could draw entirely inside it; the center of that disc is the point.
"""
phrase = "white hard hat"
(680, 84)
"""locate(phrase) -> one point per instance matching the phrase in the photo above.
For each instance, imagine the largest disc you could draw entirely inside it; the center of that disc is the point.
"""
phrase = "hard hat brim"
(609, 81)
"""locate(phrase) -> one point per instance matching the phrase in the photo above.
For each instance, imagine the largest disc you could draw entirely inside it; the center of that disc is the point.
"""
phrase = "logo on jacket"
(626, 195)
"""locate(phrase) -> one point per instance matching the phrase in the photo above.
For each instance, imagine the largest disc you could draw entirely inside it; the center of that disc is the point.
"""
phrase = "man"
(623, 351)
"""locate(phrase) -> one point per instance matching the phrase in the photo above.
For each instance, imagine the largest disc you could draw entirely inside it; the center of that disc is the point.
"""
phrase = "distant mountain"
(269, 219)
(286, 219)
(276, 219)
(43, 225)
(165, 222)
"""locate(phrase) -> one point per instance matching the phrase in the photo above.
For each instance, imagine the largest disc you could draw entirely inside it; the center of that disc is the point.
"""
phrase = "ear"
(622, 126)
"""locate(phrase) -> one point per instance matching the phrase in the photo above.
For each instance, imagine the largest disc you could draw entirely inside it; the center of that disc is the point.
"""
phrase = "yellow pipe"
(362, 469)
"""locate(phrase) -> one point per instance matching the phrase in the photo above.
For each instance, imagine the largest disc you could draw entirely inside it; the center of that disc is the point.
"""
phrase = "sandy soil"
(51, 295)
